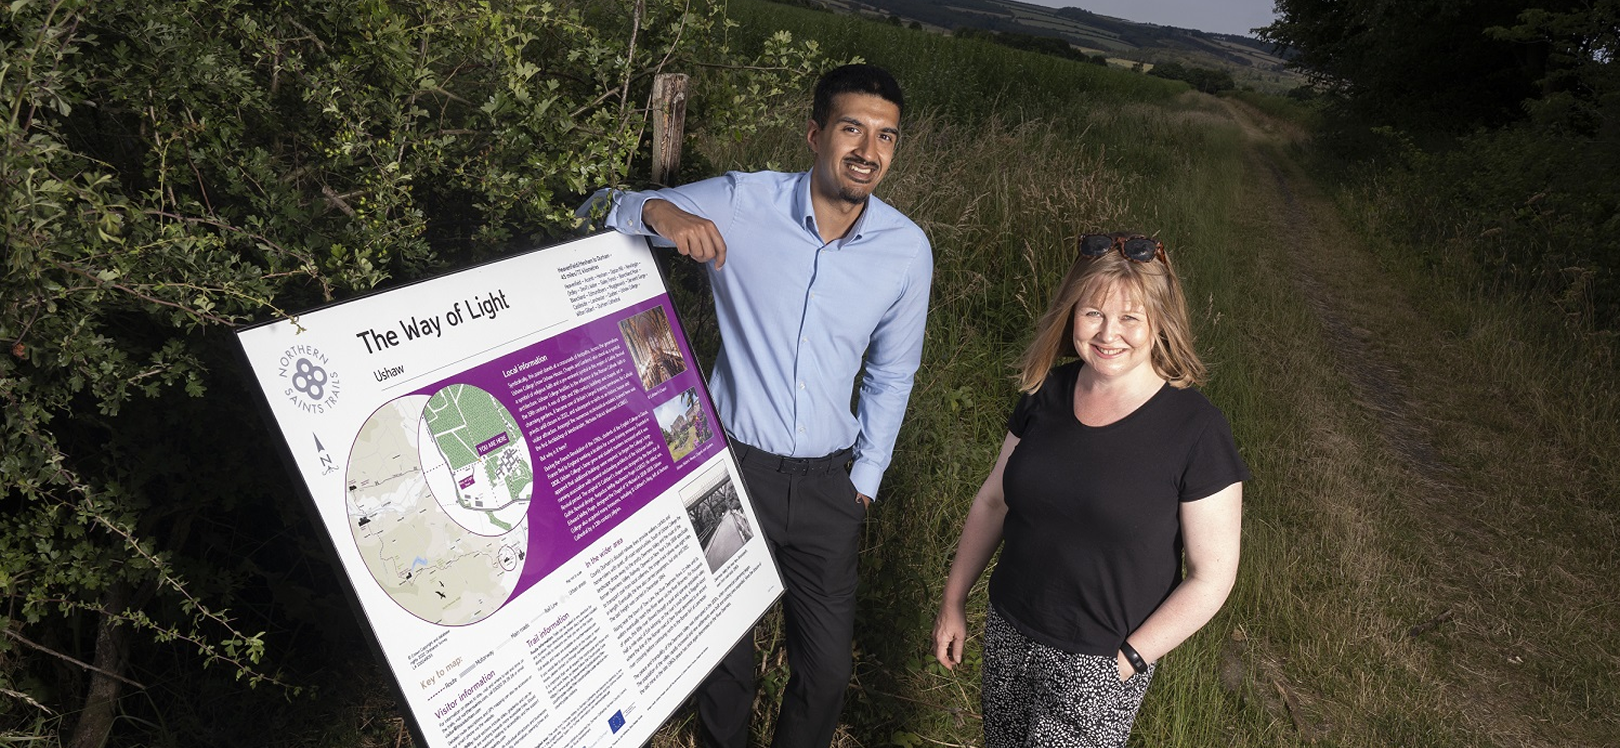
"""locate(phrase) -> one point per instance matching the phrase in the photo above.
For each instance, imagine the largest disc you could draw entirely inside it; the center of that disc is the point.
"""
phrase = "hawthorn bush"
(171, 169)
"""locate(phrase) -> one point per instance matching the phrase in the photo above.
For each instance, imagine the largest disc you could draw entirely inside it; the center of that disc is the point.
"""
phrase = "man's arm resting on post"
(693, 235)
(675, 216)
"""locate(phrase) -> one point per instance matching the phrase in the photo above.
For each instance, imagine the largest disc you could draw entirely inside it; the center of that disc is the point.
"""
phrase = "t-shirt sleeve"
(1029, 404)
(1022, 411)
(1213, 462)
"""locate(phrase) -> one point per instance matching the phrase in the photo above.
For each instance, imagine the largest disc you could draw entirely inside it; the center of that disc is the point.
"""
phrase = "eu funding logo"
(311, 384)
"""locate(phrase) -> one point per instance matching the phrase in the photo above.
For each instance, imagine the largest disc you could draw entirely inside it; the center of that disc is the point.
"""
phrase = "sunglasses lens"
(1095, 245)
(1141, 249)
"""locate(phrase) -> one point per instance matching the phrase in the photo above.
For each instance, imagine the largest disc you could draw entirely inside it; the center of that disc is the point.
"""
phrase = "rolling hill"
(1251, 61)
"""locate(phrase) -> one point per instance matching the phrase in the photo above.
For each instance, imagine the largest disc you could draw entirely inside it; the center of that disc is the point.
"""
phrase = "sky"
(1223, 16)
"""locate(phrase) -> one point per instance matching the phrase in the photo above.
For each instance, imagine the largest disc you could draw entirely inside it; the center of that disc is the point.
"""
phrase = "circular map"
(438, 495)
(477, 462)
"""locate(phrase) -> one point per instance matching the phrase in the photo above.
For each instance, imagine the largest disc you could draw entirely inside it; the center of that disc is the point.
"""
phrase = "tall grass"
(1351, 542)
(1535, 575)
(1006, 157)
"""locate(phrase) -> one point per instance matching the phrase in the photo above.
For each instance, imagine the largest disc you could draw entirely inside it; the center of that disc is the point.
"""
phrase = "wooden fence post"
(669, 125)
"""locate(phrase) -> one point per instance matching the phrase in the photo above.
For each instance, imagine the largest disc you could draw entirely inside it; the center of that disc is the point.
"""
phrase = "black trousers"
(811, 519)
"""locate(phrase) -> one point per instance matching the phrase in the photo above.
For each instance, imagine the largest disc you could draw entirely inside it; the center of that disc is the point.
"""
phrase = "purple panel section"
(598, 453)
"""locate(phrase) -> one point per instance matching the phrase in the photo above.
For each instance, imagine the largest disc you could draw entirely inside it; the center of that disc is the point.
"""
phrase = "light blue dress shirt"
(799, 316)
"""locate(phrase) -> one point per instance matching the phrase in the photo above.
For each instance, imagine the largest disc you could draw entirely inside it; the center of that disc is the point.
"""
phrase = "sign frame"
(580, 608)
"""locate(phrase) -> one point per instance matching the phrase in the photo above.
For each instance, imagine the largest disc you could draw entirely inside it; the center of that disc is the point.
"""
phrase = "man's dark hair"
(862, 79)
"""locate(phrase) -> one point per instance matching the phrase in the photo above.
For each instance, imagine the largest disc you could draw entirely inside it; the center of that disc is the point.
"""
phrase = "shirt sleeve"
(711, 198)
(892, 358)
(1213, 463)
(1054, 386)
(1021, 414)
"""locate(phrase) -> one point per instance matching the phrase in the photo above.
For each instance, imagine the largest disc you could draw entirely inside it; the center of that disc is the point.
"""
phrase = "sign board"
(525, 482)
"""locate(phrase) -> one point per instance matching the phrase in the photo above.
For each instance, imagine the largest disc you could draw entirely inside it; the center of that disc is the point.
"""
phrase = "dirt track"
(1458, 626)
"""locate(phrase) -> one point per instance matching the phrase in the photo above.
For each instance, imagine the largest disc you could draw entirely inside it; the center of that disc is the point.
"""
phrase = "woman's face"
(1113, 334)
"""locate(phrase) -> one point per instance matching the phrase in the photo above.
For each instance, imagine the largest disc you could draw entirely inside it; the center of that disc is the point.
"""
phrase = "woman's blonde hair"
(1091, 279)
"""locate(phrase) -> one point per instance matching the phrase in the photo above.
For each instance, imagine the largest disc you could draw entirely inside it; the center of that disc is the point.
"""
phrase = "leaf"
(905, 739)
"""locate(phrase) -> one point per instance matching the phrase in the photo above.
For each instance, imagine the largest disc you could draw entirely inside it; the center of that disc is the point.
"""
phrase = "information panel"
(527, 486)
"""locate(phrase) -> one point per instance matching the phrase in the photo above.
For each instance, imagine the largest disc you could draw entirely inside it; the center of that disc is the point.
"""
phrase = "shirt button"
(801, 385)
(801, 429)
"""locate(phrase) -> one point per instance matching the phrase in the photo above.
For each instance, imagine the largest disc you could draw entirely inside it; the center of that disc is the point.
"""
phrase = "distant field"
(1125, 43)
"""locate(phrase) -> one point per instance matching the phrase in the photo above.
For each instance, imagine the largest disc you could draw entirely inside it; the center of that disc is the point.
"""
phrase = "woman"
(1113, 470)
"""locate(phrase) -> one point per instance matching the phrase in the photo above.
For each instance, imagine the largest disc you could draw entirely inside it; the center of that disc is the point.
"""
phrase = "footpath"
(1475, 544)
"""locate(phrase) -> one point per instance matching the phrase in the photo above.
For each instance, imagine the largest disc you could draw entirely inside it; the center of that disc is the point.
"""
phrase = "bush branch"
(59, 655)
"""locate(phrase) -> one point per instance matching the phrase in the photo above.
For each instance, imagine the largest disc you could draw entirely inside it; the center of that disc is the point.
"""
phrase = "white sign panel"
(528, 488)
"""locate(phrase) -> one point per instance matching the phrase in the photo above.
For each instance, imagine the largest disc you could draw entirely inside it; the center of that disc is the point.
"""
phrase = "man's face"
(854, 147)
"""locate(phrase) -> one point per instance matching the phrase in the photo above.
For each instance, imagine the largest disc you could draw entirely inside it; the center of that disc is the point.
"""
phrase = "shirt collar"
(806, 214)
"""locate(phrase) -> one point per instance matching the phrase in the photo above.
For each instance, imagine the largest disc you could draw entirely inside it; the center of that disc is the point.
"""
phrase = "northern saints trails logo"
(312, 385)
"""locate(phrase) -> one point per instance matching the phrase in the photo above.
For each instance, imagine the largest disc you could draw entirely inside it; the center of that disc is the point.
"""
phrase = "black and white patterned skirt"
(1035, 696)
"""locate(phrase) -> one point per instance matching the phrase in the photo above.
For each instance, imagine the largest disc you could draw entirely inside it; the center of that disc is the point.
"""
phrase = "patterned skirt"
(1035, 696)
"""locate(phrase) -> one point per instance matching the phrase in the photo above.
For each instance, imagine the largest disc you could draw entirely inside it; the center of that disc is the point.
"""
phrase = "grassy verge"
(1430, 541)
(1524, 412)
(1003, 165)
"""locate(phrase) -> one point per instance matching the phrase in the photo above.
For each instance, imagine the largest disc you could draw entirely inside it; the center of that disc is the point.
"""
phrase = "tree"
(1576, 50)
(1048, 45)
(1207, 80)
(174, 168)
(1422, 65)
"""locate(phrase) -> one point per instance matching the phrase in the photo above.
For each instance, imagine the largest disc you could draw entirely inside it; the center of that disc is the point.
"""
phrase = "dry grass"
(1430, 542)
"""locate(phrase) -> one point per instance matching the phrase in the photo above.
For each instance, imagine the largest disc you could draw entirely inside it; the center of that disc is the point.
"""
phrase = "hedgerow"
(171, 169)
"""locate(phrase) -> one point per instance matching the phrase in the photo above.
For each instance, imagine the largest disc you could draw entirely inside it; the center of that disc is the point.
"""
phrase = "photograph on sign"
(526, 485)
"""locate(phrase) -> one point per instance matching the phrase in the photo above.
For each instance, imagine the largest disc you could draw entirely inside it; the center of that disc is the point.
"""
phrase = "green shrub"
(1208, 80)
(173, 168)
(1528, 211)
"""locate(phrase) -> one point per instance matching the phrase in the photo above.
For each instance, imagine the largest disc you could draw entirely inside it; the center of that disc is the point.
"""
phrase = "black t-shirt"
(1092, 539)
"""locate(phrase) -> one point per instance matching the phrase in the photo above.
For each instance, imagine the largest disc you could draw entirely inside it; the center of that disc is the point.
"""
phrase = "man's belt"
(792, 465)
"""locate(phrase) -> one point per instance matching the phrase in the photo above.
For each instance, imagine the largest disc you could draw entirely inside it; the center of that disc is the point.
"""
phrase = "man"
(813, 278)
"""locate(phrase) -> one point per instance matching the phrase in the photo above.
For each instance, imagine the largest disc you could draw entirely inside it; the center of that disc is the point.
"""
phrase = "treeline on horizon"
(1486, 130)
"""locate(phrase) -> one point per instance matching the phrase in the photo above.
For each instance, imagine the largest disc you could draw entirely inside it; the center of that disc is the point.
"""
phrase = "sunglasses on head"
(1138, 248)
